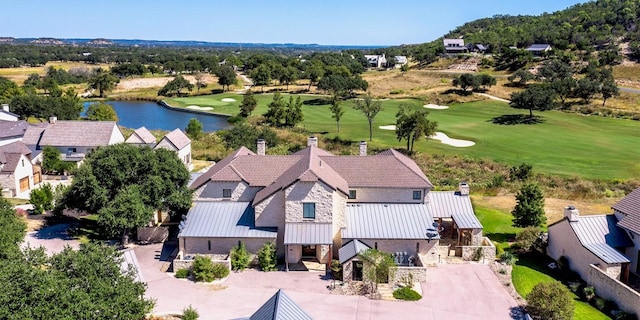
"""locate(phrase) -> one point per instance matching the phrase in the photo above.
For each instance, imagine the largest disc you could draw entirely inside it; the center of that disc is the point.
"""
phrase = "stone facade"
(610, 288)
(309, 192)
(399, 275)
(187, 264)
(219, 245)
(240, 191)
(269, 213)
(387, 195)
(487, 251)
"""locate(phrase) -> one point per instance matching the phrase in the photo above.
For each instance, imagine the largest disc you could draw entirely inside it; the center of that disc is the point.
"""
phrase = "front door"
(356, 274)
(309, 251)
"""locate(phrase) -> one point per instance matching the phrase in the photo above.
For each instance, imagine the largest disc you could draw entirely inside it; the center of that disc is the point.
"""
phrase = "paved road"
(460, 291)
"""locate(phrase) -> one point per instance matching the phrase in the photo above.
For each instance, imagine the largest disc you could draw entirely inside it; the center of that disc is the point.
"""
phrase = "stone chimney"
(571, 213)
(262, 147)
(363, 148)
(312, 141)
(5, 107)
(53, 119)
(463, 187)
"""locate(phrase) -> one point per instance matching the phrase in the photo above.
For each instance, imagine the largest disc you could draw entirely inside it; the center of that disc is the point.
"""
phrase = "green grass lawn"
(529, 271)
(497, 226)
(567, 144)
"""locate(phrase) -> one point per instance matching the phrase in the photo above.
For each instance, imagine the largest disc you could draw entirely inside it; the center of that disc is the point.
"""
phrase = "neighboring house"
(478, 48)
(400, 61)
(586, 240)
(16, 169)
(312, 203)
(628, 213)
(74, 139)
(12, 131)
(280, 307)
(539, 49)
(455, 46)
(142, 137)
(178, 141)
(6, 115)
(376, 60)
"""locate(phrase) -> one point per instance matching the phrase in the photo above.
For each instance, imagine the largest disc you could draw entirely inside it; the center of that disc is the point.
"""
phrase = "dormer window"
(352, 194)
(226, 193)
(417, 194)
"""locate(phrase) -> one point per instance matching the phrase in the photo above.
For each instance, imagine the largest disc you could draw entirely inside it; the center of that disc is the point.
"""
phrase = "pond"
(135, 114)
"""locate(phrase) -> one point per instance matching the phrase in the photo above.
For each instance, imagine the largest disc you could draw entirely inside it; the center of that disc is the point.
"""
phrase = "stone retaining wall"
(609, 288)
(187, 264)
(400, 274)
(487, 249)
(152, 234)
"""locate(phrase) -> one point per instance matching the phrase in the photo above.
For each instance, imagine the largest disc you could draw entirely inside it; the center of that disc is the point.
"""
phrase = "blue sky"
(346, 22)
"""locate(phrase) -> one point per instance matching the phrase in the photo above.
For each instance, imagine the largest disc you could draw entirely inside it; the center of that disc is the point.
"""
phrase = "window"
(417, 195)
(352, 194)
(209, 244)
(418, 247)
(226, 193)
(71, 150)
(308, 210)
(22, 162)
(375, 245)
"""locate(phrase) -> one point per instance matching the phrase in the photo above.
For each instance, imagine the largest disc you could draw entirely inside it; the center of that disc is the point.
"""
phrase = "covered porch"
(310, 241)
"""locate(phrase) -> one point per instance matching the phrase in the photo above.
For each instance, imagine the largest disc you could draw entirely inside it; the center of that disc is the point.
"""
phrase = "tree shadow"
(459, 92)
(502, 237)
(217, 91)
(316, 102)
(513, 119)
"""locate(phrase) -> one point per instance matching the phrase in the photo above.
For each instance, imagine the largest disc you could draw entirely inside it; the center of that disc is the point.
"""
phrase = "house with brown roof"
(178, 142)
(142, 137)
(74, 139)
(312, 202)
(627, 211)
(16, 169)
(12, 131)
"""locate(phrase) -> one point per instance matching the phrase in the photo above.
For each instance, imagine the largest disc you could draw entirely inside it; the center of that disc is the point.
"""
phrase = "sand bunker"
(452, 142)
(200, 108)
(391, 127)
(435, 106)
(228, 100)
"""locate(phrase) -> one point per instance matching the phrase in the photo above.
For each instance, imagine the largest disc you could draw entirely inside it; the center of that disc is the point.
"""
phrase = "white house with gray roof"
(16, 169)
(312, 202)
(178, 142)
(142, 137)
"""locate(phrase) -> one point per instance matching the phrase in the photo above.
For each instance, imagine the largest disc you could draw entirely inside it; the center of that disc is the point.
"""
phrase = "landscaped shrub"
(589, 292)
(477, 254)
(220, 271)
(507, 258)
(599, 303)
(336, 270)
(550, 300)
(42, 198)
(406, 293)
(182, 273)
(267, 257)
(190, 313)
(240, 257)
(528, 238)
(203, 269)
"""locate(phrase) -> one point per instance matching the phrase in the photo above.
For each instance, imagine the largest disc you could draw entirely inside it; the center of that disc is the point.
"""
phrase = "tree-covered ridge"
(580, 26)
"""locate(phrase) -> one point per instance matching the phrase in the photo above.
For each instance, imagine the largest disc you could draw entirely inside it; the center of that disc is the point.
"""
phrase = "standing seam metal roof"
(129, 260)
(351, 249)
(387, 221)
(224, 219)
(450, 204)
(600, 235)
(308, 233)
(280, 307)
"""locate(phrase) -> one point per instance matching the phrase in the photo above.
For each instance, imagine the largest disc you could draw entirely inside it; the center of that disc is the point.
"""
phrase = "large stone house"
(312, 202)
(74, 139)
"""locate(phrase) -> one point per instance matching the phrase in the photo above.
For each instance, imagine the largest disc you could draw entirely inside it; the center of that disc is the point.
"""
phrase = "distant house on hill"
(455, 46)
(478, 48)
(539, 49)
(376, 60)
(400, 61)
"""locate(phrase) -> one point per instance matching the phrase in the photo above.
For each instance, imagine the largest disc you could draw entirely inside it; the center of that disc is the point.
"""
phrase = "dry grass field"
(20, 74)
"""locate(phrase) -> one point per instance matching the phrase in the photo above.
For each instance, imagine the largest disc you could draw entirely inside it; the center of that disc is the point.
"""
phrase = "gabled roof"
(351, 249)
(177, 138)
(630, 207)
(224, 219)
(10, 155)
(453, 43)
(10, 129)
(450, 204)
(280, 307)
(387, 221)
(129, 260)
(538, 47)
(71, 133)
(141, 135)
(9, 113)
(600, 235)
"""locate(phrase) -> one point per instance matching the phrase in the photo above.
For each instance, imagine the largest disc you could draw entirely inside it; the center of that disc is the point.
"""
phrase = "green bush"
(550, 300)
(240, 257)
(42, 198)
(190, 313)
(528, 238)
(220, 271)
(267, 257)
(406, 293)
(599, 303)
(203, 269)
(588, 293)
(507, 258)
(477, 254)
(182, 273)
(336, 270)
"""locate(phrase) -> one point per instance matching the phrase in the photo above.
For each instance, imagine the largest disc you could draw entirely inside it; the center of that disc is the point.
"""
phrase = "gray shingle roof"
(10, 155)
(280, 307)
(178, 138)
(351, 249)
(450, 204)
(71, 133)
(387, 221)
(308, 233)
(630, 207)
(600, 235)
(223, 219)
(10, 129)
(141, 135)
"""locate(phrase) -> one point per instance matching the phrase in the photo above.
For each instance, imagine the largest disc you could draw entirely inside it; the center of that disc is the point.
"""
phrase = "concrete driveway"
(456, 291)
(53, 238)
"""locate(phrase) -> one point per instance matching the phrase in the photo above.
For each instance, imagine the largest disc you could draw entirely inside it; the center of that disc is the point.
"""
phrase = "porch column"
(286, 257)
(330, 259)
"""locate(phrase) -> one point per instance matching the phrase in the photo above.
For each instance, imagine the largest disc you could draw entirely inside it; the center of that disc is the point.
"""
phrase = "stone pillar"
(363, 148)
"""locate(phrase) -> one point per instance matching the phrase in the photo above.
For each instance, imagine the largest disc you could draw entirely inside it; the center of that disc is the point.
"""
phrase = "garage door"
(24, 184)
